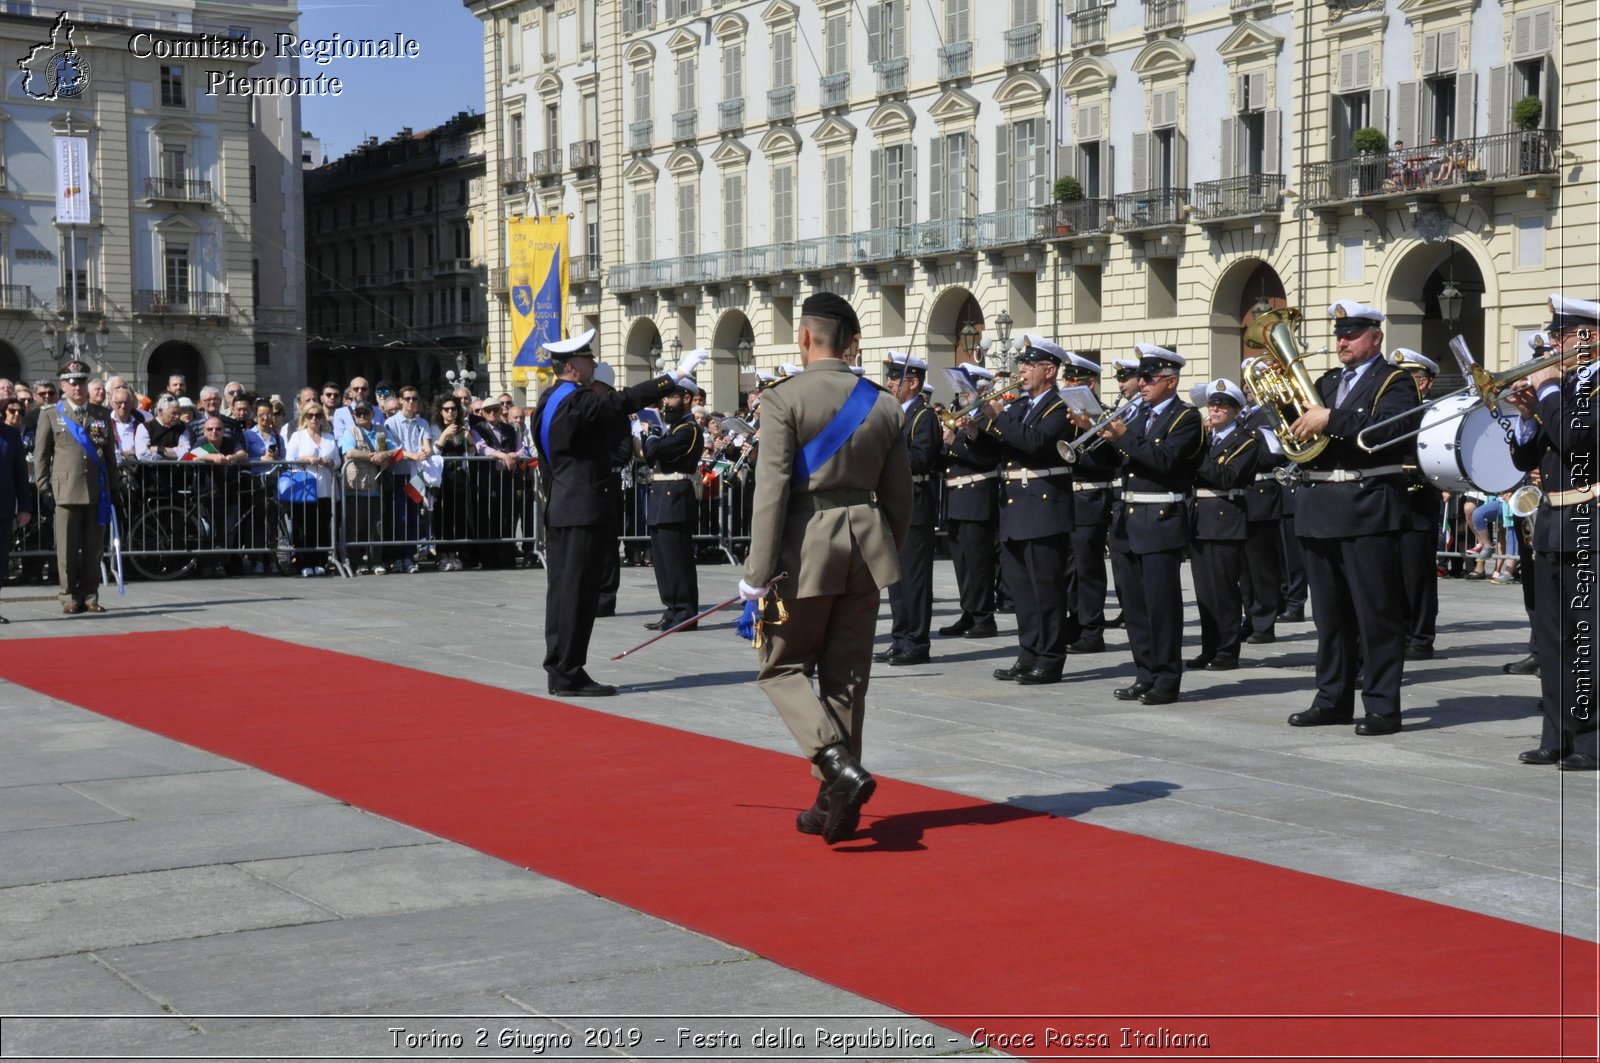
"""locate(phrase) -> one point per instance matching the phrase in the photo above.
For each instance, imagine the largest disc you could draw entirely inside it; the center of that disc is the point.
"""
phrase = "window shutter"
(1380, 109)
(1141, 161)
(1041, 175)
(1002, 168)
(1408, 96)
(1544, 30)
(1466, 105)
(1430, 54)
(1164, 109)
(732, 212)
(1364, 68)
(1180, 160)
(1257, 89)
(1340, 128)
(1271, 135)
(1108, 172)
(1499, 105)
(876, 221)
(936, 179)
(1228, 142)
(973, 156)
(1549, 92)
(1449, 51)
(908, 185)
(1347, 72)
(875, 33)
(1067, 156)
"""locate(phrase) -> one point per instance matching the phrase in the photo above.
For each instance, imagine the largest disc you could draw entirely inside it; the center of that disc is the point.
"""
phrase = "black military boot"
(813, 819)
(847, 786)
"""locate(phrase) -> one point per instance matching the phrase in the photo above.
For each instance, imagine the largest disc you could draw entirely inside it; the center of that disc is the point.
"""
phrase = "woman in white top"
(313, 448)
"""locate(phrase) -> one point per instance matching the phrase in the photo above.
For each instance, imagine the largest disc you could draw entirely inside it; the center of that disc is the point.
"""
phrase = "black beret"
(826, 304)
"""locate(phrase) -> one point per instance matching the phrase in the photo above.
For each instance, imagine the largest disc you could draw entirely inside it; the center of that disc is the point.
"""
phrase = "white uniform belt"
(1346, 476)
(1154, 497)
(920, 478)
(1574, 496)
(1091, 485)
(968, 481)
(1209, 492)
(663, 477)
(1022, 476)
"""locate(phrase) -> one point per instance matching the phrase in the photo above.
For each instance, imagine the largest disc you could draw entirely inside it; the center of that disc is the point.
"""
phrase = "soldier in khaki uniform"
(67, 470)
(834, 524)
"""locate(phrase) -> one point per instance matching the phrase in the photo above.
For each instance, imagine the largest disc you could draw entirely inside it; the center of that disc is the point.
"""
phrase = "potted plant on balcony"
(1068, 190)
(1367, 144)
(1527, 114)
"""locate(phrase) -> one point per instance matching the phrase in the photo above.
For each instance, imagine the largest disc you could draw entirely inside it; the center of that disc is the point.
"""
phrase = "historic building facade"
(724, 159)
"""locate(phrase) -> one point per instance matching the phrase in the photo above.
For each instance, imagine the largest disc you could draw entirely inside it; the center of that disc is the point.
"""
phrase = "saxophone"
(1280, 382)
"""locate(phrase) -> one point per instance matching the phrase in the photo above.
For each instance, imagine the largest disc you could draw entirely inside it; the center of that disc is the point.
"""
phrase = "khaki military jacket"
(856, 505)
(62, 467)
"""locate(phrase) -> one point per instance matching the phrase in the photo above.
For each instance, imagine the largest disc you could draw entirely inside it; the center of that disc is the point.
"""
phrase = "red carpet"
(951, 908)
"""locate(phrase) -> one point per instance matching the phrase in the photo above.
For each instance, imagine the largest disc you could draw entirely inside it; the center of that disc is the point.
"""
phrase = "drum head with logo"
(1466, 453)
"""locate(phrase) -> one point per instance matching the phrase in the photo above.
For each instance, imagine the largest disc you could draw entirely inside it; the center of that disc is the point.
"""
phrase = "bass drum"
(1465, 453)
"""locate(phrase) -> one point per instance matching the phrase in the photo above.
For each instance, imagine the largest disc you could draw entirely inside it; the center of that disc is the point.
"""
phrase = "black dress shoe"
(590, 689)
(93, 607)
(1257, 638)
(983, 631)
(1577, 762)
(1088, 646)
(1223, 664)
(883, 655)
(1158, 697)
(1292, 616)
(1134, 692)
(960, 627)
(657, 625)
(1038, 677)
(1529, 665)
(1115, 621)
(1378, 725)
(1539, 756)
(1320, 718)
(848, 786)
(1010, 674)
(1198, 662)
(1419, 653)
(900, 660)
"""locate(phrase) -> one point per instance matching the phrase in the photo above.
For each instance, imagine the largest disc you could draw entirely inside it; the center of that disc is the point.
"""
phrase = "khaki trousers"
(79, 538)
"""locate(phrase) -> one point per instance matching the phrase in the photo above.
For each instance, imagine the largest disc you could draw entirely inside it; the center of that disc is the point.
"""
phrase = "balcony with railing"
(545, 163)
(834, 90)
(583, 269)
(1014, 227)
(1153, 208)
(684, 125)
(769, 260)
(780, 104)
(448, 266)
(513, 172)
(730, 117)
(955, 61)
(884, 244)
(1080, 217)
(500, 280)
(178, 190)
(824, 252)
(892, 76)
(1524, 158)
(1162, 16)
(402, 276)
(719, 267)
(641, 135)
(1238, 197)
(180, 303)
(1089, 28)
(943, 236)
(1022, 44)
(1244, 7)
(583, 154)
(90, 300)
(16, 298)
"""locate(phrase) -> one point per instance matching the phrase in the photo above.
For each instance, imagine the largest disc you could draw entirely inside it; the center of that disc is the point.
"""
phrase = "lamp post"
(1450, 300)
(747, 354)
(460, 376)
(1002, 327)
(969, 340)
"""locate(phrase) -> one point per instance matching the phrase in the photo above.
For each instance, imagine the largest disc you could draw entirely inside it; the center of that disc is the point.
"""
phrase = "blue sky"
(381, 96)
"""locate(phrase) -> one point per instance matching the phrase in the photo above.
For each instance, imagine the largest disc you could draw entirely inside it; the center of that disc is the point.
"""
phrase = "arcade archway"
(953, 310)
(640, 352)
(171, 357)
(1415, 312)
(1245, 289)
(725, 388)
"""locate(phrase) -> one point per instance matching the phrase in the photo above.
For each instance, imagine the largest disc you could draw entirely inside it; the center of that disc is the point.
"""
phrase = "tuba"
(1280, 382)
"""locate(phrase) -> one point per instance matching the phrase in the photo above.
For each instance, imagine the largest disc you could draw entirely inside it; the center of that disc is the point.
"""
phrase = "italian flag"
(203, 448)
(417, 490)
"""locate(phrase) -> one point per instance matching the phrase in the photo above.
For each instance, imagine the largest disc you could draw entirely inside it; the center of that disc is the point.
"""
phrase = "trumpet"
(1070, 448)
(952, 418)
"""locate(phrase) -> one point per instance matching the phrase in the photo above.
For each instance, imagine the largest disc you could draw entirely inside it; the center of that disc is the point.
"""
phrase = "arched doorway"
(640, 352)
(10, 363)
(1415, 315)
(1245, 289)
(171, 357)
(953, 310)
(726, 387)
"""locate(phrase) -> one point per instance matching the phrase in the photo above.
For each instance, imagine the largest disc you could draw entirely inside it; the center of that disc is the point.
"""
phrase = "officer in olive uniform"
(833, 504)
(1349, 515)
(674, 509)
(1556, 435)
(1221, 526)
(972, 517)
(911, 599)
(1160, 448)
(75, 462)
(1093, 477)
(1419, 539)
(571, 429)
(1261, 578)
(1035, 513)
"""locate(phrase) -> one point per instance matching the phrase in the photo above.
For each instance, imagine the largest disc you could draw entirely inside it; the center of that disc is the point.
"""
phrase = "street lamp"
(75, 346)
(747, 354)
(969, 339)
(1002, 327)
(1450, 301)
(460, 376)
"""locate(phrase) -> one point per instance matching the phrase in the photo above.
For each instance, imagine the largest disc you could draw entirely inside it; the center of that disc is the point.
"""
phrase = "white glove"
(751, 594)
(685, 381)
(692, 361)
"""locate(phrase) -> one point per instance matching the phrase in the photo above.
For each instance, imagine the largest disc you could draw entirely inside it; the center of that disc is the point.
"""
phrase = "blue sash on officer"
(81, 434)
(816, 453)
(557, 397)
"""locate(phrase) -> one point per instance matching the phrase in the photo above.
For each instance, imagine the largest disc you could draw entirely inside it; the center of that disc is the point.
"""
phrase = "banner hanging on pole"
(537, 257)
(72, 180)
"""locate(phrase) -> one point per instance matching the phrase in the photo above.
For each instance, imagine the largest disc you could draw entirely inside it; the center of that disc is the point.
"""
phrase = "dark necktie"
(1347, 379)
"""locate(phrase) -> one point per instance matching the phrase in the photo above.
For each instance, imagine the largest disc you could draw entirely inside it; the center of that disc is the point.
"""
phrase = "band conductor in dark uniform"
(674, 506)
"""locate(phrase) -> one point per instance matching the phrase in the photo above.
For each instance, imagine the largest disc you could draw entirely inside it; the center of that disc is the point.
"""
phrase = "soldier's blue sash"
(557, 397)
(81, 434)
(816, 453)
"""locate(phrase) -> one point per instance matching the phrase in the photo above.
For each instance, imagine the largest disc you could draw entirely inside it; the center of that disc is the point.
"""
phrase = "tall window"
(686, 86)
(176, 271)
(894, 187)
(689, 218)
(591, 229)
(783, 58)
(644, 225)
(732, 211)
(641, 94)
(172, 94)
(174, 167)
(552, 127)
(1441, 98)
(1024, 13)
(1019, 167)
(952, 184)
(836, 42)
(886, 30)
(836, 194)
(783, 202)
(733, 72)
(516, 145)
(957, 21)
(514, 45)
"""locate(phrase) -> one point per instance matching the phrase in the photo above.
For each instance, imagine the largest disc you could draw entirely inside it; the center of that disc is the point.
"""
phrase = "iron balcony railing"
(824, 252)
(1162, 15)
(684, 124)
(780, 104)
(883, 244)
(446, 266)
(641, 135)
(835, 90)
(943, 236)
(583, 269)
(1089, 28)
(771, 259)
(1152, 207)
(90, 300)
(714, 266)
(1010, 228)
(1501, 157)
(178, 189)
(545, 163)
(955, 61)
(730, 116)
(500, 279)
(583, 154)
(1080, 216)
(892, 76)
(513, 172)
(1237, 6)
(1022, 44)
(1258, 193)
(190, 303)
(16, 297)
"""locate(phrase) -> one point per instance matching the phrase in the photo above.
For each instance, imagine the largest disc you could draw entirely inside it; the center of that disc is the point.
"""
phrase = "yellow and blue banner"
(537, 259)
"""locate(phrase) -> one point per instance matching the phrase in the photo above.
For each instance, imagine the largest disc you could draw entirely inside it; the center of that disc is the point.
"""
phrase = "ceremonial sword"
(779, 578)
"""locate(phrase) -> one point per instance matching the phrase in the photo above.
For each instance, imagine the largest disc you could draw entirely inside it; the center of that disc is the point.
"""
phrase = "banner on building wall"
(72, 181)
(537, 260)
